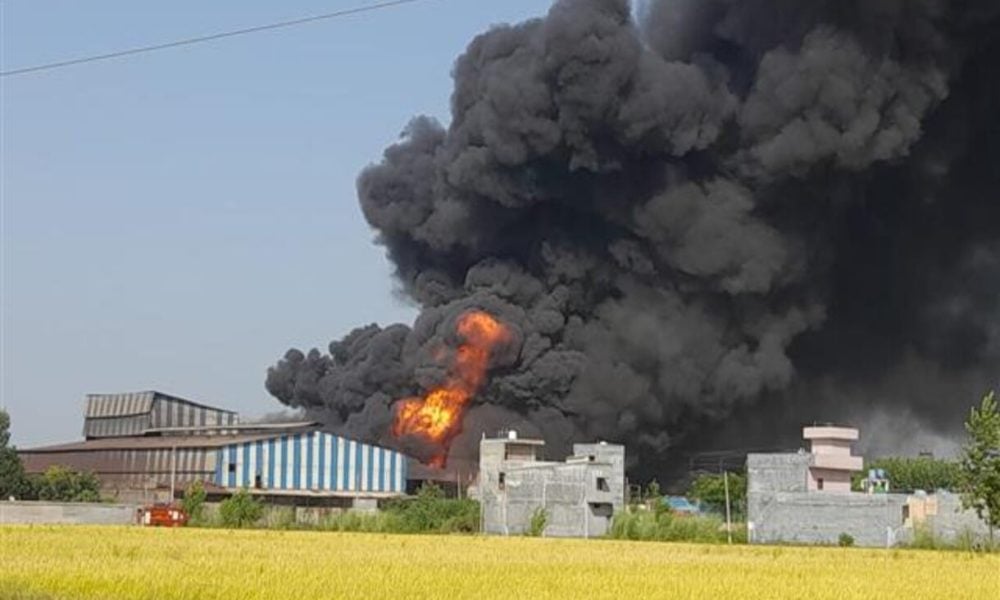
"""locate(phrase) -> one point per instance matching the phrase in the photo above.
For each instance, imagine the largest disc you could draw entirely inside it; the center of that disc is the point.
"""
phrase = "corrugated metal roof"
(278, 427)
(118, 405)
(191, 402)
(97, 427)
(134, 403)
(144, 442)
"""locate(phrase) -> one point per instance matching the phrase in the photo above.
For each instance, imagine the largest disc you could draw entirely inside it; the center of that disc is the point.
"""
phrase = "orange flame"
(437, 416)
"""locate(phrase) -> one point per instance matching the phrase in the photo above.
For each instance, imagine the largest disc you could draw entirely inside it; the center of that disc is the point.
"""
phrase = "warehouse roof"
(133, 403)
(150, 442)
(263, 427)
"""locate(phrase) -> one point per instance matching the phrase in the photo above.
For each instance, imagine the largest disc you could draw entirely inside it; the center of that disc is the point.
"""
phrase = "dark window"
(232, 467)
(906, 512)
(602, 484)
(257, 483)
(819, 483)
(502, 480)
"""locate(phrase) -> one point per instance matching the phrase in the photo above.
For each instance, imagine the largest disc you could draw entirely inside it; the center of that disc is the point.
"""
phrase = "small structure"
(681, 506)
(578, 496)
(831, 462)
(876, 482)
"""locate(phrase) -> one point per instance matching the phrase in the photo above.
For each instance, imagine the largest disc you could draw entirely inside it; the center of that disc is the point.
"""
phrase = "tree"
(59, 484)
(710, 490)
(907, 474)
(981, 462)
(13, 482)
(241, 510)
(194, 501)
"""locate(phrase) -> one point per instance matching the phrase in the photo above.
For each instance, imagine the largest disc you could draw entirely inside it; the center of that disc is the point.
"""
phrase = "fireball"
(437, 416)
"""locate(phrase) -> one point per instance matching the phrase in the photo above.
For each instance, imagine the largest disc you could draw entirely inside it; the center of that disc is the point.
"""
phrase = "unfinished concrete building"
(579, 496)
(805, 497)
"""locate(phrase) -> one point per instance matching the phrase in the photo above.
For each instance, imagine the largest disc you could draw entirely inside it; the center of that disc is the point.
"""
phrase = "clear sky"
(177, 220)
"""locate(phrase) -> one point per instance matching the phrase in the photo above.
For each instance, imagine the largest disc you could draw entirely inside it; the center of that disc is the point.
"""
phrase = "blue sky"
(177, 220)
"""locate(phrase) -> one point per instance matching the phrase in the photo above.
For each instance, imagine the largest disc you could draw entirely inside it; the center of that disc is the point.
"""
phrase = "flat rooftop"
(830, 432)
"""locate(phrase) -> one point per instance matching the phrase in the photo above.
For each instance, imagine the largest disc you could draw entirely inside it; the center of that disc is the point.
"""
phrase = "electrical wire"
(206, 38)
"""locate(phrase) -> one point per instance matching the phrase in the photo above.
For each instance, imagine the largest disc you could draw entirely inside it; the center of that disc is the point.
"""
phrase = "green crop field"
(162, 564)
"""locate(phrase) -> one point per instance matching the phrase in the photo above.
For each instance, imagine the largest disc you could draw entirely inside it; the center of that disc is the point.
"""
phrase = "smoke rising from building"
(699, 223)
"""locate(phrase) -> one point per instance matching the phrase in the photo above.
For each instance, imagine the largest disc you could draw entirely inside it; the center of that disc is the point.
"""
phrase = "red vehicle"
(162, 515)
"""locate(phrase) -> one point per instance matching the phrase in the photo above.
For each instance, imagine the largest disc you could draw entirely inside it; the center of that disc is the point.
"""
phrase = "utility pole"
(729, 520)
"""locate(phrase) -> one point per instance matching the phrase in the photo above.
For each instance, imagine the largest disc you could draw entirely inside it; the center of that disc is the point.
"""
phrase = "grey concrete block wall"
(780, 509)
(953, 522)
(68, 513)
(786, 472)
(820, 518)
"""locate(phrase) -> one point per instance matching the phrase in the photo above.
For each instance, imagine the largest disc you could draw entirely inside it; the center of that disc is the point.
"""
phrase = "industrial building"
(141, 413)
(579, 496)
(806, 497)
(150, 446)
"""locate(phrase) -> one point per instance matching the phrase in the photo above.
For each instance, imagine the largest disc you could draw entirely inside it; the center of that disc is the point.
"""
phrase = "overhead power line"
(206, 38)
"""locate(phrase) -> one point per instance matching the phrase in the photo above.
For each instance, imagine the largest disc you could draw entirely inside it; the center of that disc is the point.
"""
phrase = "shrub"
(240, 510)
(654, 526)
(280, 517)
(845, 540)
(193, 502)
(431, 512)
(59, 484)
(381, 522)
(539, 519)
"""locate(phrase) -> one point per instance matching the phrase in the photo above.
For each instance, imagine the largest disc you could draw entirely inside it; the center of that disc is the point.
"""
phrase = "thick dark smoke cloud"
(706, 225)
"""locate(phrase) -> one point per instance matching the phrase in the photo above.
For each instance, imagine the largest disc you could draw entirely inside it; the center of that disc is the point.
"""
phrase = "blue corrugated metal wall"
(314, 461)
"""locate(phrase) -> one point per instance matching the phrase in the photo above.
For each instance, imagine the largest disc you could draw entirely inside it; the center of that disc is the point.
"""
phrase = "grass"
(57, 562)
(664, 526)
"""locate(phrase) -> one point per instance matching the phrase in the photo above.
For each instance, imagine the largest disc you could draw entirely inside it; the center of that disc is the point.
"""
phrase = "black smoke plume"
(707, 221)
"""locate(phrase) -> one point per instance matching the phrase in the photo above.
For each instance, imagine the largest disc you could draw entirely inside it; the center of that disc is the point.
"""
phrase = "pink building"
(831, 462)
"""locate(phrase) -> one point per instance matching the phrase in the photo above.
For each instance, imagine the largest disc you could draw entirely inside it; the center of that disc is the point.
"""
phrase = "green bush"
(59, 484)
(845, 540)
(240, 510)
(668, 527)
(430, 511)
(193, 502)
(379, 522)
(280, 517)
(539, 519)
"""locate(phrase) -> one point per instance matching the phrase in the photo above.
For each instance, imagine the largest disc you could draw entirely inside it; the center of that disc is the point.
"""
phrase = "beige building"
(831, 462)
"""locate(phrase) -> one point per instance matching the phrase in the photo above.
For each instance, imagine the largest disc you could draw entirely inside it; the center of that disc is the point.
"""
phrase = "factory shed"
(138, 462)
(134, 413)
(149, 446)
(313, 462)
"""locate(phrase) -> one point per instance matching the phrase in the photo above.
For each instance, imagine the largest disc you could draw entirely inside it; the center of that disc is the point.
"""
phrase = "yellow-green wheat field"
(136, 563)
